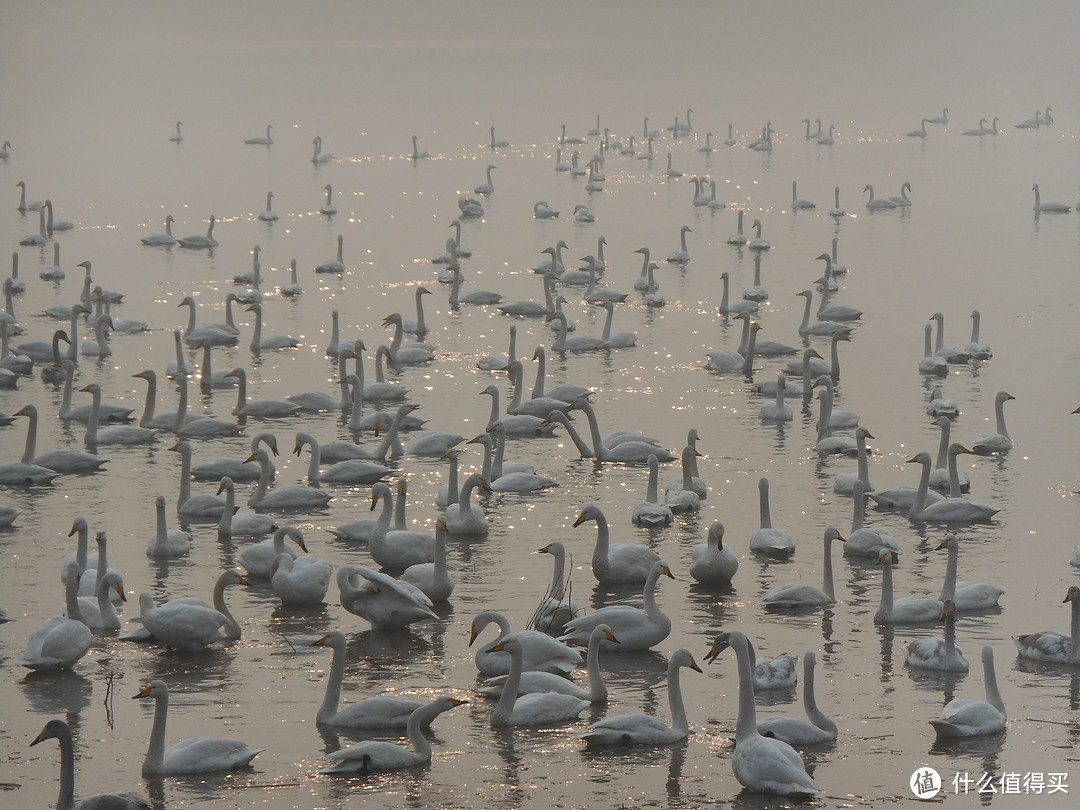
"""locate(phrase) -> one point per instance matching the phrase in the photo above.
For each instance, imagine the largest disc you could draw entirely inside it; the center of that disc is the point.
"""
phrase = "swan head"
(85, 265)
(832, 533)
(378, 491)
(1073, 595)
(226, 483)
(154, 689)
(722, 642)
(888, 558)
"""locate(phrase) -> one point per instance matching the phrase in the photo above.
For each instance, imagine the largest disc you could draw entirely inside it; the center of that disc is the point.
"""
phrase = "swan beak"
(20, 412)
(544, 550)
(840, 537)
(374, 501)
(221, 488)
(965, 450)
(458, 701)
(694, 665)
(611, 637)
(44, 735)
(246, 460)
(1070, 596)
(911, 460)
(484, 485)
(667, 573)
(273, 447)
(581, 518)
(85, 388)
(502, 644)
(319, 642)
(713, 653)
(120, 592)
(300, 542)
(144, 692)
(297, 448)
(74, 528)
(472, 635)
(868, 434)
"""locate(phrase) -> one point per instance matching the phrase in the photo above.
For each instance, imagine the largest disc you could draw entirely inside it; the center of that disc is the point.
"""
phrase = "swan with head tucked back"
(534, 708)
(195, 755)
(799, 595)
(636, 629)
(122, 800)
(388, 603)
(644, 729)
(762, 764)
(973, 718)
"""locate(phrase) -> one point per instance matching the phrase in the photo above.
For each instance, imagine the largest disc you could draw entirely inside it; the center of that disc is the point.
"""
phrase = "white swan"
(778, 410)
(62, 460)
(794, 730)
(799, 595)
(631, 448)
(767, 539)
(903, 201)
(25, 204)
(352, 470)
(258, 559)
(464, 517)
(827, 138)
(978, 131)
(540, 651)
(945, 465)
(39, 239)
(940, 119)
(723, 360)
(930, 362)
(921, 131)
(200, 241)
(907, 609)
(500, 144)
(1048, 207)
(165, 239)
(194, 755)
(258, 408)
(59, 642)
(558, 605)
(203, 506)
(52, 224)
(864, 541)
(539, 681)
(240, 524)
(189, 623)
(635, 629)
(939, 654)
(318, 156)
(260, 343)
(644, 729)
(122, 800)
(713, 563)
(999, 441)
(337, 264)
(616, 563)
(113, 434)
(489, 186)
(836, 210)
(682, 255)
(261, 140)
(973, 718)
(978, 350)
(382, 711)
(269, 215)
(798, 203)
(965, 595)
(387, 603)
(166, 542)
(397, 548)
(535, 708)
(294, 496)
(835, 419)
(433, 578)
(473, 297)
(699, 485)
(651, 513)
(541, 210)
(236, 468)
(906, 497)
(879, 203)
(758, 243)
(807, 329)
(418, 154)
(954, 509)
(378, 755)
(844, 483)
(1051, 646)
(178, 136)
(762, 764)
(217, 334)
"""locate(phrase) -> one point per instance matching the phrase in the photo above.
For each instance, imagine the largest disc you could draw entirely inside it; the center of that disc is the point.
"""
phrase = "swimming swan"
(972, 718)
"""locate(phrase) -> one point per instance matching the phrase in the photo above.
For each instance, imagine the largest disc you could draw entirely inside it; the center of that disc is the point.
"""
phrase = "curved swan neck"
(155, 754)
(817, 717)
(332, 697)
(232, 629)
(675, 698)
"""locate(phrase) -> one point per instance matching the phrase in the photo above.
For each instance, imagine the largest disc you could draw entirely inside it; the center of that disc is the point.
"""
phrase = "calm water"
(89, 123)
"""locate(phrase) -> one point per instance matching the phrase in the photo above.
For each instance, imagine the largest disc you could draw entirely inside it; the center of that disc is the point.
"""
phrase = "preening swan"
(798, 595)
(762, 764)
(195, 755)
(635, 629)
(378, 755)
(972, 718)
(795, 730)
(644, 729)
(123, 800)
(541, 210)
(302, 580)
(1051, 646)
(388, 603)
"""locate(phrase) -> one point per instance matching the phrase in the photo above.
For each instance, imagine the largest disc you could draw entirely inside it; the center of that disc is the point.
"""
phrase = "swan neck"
(155, 754)
(225, 523)
(948, 589)
(886, 606)
(594, 428)
(500, 449)
(763, 508)
(859, 512)
(675, 699)
(999, 414)
(597, 688)
(30, 450)
(316, 458)
(332, 697)
(827, 584)
(993, 696)
(920, 495)
(182, 402)
(232, 629)
(652, 495)
(817, 717)
(1075, 631)
(66, 800)
(505, 707)
(71, 598)
(746, 725)
(652, 610)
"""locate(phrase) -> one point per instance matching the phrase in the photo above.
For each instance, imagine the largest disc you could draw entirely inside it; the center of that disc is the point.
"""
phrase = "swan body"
(165, 239)
(758, 243)
(1056, 648)
(836, 210)
(930, 362)
(294, 496)
(864, 541)
(728, 307)
(269, 215)
(318, 155)
(635, 629)
(844, 483)
(903, 201)
(122, 800)
(974, 718)
(616, 563)
(195, 755)
(827, 138)
(387, 603)
(397, 549)
(258, 559)
(25, 204)
(761, 764)
(349, 471)
(778, 410)
(262, 140)
(826, 327)
(799, 595)
(540, 652)
(713, 563)
(940, 119)
(301, 581)
(954, 509)
(378, 755)
(178, 136)
(644, 729)
(682, 255)
(794, 730)
(941, 655)
(1048, 207)
(767, 539)
(474, 297)
(113, 434)
(59, 642)
(541, 210)
(240, 524)
(906, 610)
(464, 517)
(236, 468)
(631, 448)
(558, 607)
